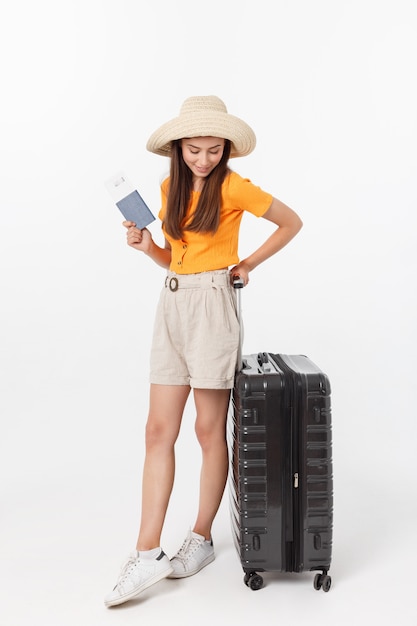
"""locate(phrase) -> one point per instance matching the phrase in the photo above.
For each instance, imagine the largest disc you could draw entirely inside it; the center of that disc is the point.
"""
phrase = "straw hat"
(204, 116)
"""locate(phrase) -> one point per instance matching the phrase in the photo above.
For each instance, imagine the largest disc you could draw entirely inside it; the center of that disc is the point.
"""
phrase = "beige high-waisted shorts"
(196, 332)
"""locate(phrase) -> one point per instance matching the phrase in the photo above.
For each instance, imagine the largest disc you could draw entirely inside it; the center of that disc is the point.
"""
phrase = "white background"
(329, 88)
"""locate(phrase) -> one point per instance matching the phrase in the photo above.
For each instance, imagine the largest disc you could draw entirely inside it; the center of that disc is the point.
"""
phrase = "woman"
(196, 333)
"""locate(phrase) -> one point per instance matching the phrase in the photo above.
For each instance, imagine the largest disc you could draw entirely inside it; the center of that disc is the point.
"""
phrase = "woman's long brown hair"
(207, 214)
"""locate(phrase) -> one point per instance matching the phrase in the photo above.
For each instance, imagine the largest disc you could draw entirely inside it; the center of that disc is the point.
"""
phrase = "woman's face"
(202, 154)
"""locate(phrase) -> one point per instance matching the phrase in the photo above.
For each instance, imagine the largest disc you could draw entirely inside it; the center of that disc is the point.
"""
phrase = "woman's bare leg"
(166, 408)
(212, 406)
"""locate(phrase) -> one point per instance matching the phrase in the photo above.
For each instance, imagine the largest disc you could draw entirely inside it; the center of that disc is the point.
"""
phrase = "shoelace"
(127, 568)
(188, 548)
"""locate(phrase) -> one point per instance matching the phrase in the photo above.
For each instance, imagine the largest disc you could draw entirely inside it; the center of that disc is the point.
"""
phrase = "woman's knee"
(159, 434)
(210, 426)
(210, 434)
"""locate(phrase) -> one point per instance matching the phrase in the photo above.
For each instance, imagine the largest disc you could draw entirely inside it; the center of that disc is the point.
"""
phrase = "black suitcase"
(280, 480)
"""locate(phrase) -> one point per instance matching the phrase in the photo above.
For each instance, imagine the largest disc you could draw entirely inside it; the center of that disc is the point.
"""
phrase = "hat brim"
(204, 124)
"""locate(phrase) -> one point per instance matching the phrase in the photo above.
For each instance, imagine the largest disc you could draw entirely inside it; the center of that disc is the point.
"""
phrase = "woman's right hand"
(137, 238)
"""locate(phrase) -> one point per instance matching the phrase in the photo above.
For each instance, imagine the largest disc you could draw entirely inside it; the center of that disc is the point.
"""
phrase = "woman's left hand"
(241, 271)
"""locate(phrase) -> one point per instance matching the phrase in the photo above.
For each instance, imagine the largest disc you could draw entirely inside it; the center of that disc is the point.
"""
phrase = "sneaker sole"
(209, 559)
(135, 592)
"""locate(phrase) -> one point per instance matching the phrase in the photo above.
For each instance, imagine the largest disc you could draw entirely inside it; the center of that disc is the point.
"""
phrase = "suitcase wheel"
(322, 581)
(253, 580)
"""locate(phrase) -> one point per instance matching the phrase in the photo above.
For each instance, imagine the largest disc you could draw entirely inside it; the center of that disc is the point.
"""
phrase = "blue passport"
(134, 209)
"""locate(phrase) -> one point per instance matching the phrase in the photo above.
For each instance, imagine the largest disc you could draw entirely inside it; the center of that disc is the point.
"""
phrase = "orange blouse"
(204, 252)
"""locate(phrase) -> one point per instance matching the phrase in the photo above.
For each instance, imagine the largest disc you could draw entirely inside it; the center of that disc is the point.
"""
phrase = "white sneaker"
(195, 553)
(137, 575)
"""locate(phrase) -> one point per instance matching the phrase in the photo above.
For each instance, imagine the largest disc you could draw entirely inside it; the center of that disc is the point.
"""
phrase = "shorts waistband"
(203, 280)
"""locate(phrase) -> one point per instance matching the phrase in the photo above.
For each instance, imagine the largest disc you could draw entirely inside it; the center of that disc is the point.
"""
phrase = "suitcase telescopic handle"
(238, 284)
